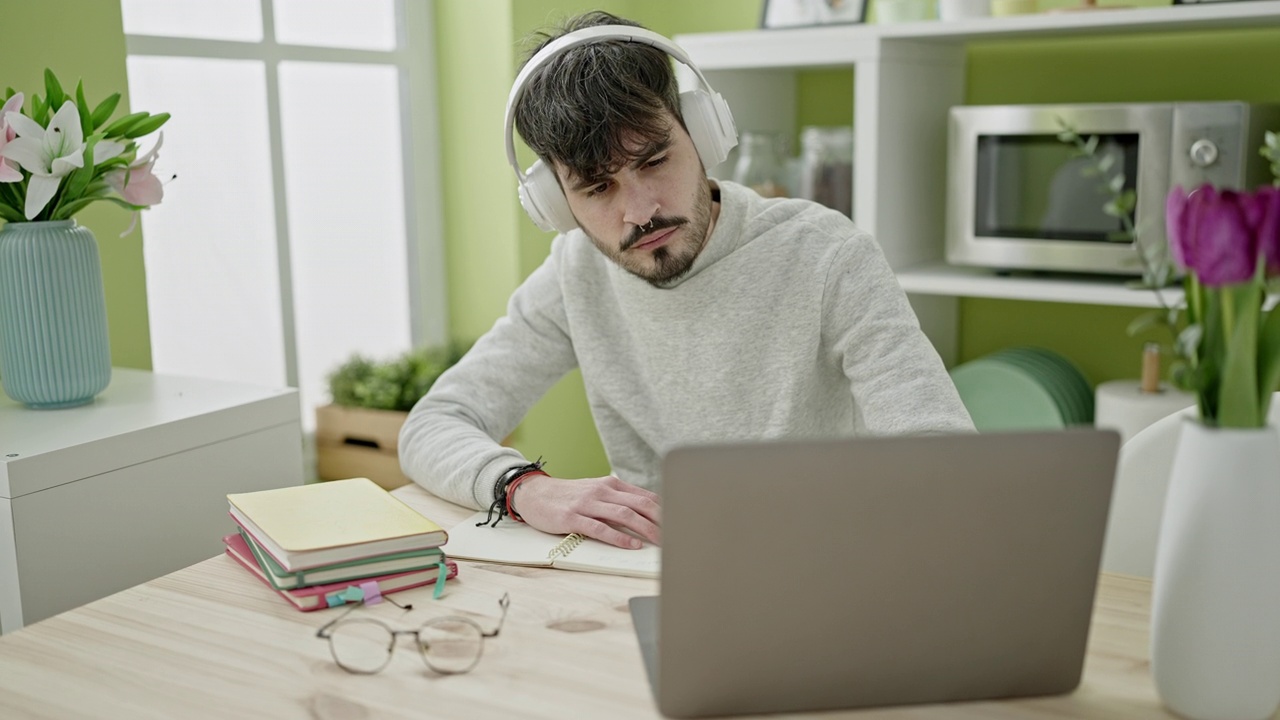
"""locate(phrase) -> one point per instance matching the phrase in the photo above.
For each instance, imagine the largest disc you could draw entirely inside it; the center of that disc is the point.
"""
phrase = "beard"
(671, 261)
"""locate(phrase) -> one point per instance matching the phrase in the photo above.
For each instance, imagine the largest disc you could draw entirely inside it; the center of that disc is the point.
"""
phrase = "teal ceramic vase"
(54, 351)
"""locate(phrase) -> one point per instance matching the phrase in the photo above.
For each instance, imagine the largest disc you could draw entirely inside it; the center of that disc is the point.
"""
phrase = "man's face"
(651, 216)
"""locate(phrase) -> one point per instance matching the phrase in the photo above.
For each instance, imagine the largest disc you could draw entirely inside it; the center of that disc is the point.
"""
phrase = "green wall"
(84, 39)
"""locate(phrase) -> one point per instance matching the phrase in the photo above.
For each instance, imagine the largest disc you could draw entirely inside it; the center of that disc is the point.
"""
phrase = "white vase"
(1215, 615)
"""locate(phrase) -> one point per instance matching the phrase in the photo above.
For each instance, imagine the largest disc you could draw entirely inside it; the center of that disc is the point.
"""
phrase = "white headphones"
(706, 116)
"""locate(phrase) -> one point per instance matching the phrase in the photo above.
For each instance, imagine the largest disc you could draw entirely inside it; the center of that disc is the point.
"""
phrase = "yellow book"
(309, 526)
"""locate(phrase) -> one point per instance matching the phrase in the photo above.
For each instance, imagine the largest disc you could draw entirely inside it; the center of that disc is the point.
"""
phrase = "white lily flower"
(51, 153)
(8, 173)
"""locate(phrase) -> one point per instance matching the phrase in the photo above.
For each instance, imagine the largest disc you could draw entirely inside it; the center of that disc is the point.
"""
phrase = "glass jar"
(826, 167)
(759, 165)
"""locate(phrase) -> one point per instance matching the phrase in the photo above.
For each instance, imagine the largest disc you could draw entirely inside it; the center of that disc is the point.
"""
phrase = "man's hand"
(600, 508)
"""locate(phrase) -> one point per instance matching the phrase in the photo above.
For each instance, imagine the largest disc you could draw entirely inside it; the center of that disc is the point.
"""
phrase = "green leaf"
(119, 127)
(1091, 145)
(1105, 163)
(53, 90)
(10, 214)
(147, 126)
(86, 119)
(122, 203)
(119, 160)
(1145, 322)
(104, 110)
(79, 178)
(1268, 360)
(1180, 373)
(1238, 405)
(67, 210)
(1117, 182)
(38, 110)
(9, 92)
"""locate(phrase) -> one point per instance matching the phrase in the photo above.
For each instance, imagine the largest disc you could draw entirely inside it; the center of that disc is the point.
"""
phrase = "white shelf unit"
(942, 279)
(906, 77)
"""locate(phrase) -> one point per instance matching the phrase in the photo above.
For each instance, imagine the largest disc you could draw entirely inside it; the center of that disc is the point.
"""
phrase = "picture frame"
(1203, 2)
(811, 13)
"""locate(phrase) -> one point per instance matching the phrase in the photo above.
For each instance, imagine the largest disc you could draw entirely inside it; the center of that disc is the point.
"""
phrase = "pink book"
(314, 597)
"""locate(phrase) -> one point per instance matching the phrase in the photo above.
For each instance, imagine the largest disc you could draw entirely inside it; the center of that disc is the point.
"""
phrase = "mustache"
(656, 225)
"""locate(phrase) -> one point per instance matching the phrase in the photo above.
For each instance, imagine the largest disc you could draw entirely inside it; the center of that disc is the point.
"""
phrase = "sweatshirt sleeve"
(450, 442)
(899, 383)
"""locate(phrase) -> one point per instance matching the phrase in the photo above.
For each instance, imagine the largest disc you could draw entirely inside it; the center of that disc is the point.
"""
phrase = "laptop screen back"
(878, 571)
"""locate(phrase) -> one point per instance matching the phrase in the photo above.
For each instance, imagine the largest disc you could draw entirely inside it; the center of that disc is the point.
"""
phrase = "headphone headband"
(706, 118)
(624, 33)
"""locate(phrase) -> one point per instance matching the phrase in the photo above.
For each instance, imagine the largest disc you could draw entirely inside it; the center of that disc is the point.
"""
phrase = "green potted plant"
(357, 434)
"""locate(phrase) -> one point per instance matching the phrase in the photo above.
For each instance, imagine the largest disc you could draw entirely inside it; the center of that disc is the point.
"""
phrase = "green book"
(282, 579)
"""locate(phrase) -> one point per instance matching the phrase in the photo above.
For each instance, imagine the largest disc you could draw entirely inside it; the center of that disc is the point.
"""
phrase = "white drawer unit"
(103, 497)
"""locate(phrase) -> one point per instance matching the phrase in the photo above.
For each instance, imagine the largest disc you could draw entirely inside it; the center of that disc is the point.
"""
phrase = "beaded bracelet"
(501, 502)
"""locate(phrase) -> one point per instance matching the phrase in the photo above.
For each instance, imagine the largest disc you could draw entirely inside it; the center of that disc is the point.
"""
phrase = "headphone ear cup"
(542, 198)
(710, 125)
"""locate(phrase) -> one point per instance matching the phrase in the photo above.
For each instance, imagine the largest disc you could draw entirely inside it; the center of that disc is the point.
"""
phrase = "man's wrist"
(501, 505)
(514, 486)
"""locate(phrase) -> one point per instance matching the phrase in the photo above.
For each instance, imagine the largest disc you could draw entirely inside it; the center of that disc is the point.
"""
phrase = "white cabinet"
(102, 497)
(906, 77)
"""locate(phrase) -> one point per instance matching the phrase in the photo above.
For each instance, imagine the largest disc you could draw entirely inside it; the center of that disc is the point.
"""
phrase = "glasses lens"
(451, 645)
(361, 646)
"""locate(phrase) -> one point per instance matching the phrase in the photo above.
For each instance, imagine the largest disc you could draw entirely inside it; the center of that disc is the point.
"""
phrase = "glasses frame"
(326, 633)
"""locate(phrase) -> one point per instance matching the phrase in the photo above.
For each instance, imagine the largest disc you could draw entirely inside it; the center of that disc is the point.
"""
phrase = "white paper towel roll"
(1121, 404)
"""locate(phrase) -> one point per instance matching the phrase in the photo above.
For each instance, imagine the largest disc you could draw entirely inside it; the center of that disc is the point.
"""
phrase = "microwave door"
(1035, 187)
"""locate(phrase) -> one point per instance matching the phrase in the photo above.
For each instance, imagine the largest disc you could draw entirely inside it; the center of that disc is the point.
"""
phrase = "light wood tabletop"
(210, 640)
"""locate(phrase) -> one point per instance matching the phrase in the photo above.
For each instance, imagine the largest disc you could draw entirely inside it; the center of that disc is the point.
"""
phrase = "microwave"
(1018, 197)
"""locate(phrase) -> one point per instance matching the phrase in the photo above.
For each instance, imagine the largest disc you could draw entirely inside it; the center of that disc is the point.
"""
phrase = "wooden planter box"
(358, 442)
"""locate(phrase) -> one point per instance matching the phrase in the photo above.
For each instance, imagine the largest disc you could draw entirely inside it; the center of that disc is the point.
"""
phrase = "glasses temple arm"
(503, 603)
(324, 633)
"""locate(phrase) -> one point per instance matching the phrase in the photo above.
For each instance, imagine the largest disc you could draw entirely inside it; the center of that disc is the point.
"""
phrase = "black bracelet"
(499, 505)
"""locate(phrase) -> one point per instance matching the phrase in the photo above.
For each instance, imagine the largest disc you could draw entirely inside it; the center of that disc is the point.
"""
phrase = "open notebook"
(514, 543)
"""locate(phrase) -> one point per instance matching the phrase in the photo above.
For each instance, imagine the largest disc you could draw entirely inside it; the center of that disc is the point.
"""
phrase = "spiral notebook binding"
(565, 546)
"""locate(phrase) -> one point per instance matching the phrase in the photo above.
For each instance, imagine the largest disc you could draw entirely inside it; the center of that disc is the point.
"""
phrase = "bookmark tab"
(440, 578)
(349, 594)
(372, 593)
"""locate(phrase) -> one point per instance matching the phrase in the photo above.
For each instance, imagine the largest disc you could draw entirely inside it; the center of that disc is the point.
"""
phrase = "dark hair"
(593, 107)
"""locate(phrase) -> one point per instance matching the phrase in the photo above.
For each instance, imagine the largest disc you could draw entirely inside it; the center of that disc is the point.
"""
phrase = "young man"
(697, 310)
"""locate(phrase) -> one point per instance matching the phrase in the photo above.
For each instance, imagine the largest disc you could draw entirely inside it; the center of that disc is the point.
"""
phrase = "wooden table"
(212, 641)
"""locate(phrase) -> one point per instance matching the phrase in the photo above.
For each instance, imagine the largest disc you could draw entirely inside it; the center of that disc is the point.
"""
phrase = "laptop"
(851, 573)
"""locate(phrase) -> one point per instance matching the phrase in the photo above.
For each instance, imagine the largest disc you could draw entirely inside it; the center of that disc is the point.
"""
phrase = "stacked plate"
(1024, 388)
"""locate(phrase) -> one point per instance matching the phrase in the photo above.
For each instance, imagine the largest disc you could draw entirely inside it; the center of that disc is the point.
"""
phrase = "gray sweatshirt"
(789, 324)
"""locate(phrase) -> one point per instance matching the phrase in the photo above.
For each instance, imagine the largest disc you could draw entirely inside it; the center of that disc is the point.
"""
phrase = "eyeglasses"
(449, 645)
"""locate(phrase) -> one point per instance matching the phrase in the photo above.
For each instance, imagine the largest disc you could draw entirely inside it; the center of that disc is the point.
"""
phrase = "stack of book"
(325, 544)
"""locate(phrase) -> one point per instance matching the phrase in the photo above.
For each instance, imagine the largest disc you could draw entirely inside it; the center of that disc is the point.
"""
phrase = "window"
(300, 228)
